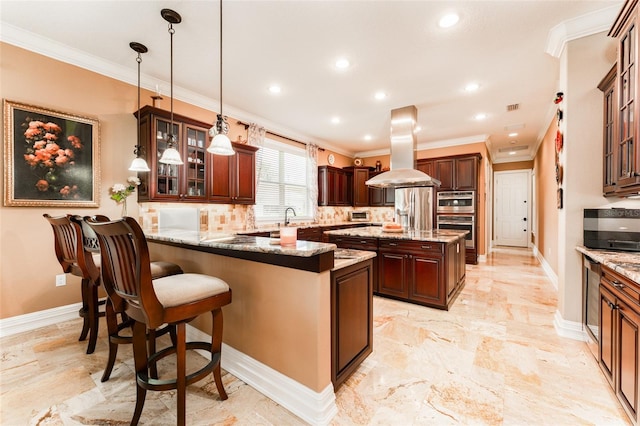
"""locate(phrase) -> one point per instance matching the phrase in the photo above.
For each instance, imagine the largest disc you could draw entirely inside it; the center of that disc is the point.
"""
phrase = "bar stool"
(174, 300)
(88, 256)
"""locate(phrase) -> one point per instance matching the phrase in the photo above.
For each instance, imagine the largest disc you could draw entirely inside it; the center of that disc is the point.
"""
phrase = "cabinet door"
(607, 333)
(392, 274)
(608, 88)
(323, 186)
(244, 177)
(376, 196)
(167, 184)
(466, 171)
(628, 358)
(360, 189)
(445, 173)
(342, 187)
(195, 163)
(427, 280)
(221, 179)
(427, 167)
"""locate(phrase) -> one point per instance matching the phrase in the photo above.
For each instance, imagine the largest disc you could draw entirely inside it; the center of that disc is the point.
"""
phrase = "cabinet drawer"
(412, 246)
(358, 243)
(621, 287)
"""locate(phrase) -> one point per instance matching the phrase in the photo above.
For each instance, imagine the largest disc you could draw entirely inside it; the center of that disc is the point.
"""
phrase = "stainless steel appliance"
(360, 216)
(612, 229)
(459, 222)
(591, 302)
(456, 202)
(414, 208)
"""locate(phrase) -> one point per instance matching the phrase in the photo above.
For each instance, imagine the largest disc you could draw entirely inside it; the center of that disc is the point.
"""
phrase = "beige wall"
(27, 261)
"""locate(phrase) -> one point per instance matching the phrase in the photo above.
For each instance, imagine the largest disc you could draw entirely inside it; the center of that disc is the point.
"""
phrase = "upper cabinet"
(608, 88)
(203, 177)
(233, 177)
(334, 186)
(360, 190)
(381, 197)
(456, 173)
(626, 152)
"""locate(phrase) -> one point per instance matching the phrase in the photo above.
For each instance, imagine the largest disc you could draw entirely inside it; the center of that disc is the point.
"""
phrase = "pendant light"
(220, 144)
(171, 154)
(138, 164)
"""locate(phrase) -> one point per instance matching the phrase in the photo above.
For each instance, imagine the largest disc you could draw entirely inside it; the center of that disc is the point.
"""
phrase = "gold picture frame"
(51, 158)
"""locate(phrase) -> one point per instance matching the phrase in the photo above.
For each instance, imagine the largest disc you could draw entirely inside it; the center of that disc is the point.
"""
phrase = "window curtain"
(312, 179)
(255, 138)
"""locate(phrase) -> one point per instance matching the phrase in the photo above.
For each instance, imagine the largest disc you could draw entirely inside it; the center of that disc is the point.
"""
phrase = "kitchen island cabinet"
(422, 267)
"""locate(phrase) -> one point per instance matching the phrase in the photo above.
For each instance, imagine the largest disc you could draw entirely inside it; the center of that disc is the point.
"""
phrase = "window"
(282, 182)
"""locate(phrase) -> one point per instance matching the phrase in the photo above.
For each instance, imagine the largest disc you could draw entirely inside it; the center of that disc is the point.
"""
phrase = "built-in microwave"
(360, 216)
(455, 202)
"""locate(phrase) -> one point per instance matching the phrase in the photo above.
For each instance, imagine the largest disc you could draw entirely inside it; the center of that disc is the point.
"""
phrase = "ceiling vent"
(514, 148)
(512, 107)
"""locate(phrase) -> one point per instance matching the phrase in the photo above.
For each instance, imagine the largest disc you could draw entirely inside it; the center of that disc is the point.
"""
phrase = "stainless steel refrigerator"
(414, 208)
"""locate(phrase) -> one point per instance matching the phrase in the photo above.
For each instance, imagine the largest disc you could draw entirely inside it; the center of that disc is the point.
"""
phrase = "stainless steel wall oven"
(456, 202)
(459, 222)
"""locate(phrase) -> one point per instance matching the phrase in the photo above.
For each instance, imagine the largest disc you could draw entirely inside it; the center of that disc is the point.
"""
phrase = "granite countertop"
(244, 243)
(307, 225)
(348, 257)
(439, 236)
(623, 262)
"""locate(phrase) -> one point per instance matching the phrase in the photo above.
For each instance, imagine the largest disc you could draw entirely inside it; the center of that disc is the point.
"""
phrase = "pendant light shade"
(138, 164)
(171, 154)
(220, 144)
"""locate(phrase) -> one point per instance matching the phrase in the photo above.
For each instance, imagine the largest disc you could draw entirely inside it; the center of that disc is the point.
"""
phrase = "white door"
(511, 208)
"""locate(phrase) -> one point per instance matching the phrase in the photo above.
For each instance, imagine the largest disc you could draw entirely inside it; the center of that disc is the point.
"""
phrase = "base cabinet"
(359, 243)
(351, 319)
(619, 351)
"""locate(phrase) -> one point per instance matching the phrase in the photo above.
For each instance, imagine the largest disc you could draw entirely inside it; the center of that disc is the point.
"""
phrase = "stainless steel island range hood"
(403, 154)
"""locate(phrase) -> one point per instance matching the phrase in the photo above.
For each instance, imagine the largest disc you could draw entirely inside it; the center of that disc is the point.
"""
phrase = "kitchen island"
(278, 328)
(422, 267)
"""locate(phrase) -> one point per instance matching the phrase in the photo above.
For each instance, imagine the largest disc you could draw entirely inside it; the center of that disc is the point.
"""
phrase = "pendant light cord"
(220, 57)
(171, 31)
(138, 146)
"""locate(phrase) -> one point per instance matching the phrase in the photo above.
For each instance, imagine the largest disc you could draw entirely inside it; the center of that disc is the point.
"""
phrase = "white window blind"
(282, 181)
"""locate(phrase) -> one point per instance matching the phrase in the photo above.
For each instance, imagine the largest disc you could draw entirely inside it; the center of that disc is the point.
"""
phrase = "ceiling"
(393, 46)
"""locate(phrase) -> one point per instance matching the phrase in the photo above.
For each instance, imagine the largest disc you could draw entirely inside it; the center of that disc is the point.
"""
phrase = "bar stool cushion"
(176, 290)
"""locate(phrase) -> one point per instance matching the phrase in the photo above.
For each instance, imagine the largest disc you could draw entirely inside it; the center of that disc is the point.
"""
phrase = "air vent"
(512, 107)
(514, 148)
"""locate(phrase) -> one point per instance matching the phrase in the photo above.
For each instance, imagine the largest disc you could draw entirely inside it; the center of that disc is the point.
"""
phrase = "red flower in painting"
(49, 160)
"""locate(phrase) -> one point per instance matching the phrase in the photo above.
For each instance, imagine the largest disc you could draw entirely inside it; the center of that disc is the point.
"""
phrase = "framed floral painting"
(51, 158)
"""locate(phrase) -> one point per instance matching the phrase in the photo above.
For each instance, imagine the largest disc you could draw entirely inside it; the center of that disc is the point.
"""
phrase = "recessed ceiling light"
(342, 63)
(367, 137)
(449, 20)
(471, 87)
(417, 129)
(380, 95)
(480, 116)
(512, 153)
(275, 89)
(335, 120)
(513, 134)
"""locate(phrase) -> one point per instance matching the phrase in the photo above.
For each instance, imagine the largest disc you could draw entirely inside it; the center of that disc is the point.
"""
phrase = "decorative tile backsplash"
(232, 218)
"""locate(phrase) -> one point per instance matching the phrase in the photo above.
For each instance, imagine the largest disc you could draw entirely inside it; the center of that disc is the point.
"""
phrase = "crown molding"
(580, 26)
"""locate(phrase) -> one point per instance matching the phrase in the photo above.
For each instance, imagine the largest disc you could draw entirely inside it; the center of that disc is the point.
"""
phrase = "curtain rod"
(246, 126)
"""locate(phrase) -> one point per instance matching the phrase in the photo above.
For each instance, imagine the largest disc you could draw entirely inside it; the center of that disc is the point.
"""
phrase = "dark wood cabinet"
(359, 190)
(619, 337)
(459, 173)
(334, 186)
(351, 319)
(626, 152)
(203, 177)
(608, 88)
(233, 177)
(427, 273)
(166, 182)
(381, 197)
(310, 234)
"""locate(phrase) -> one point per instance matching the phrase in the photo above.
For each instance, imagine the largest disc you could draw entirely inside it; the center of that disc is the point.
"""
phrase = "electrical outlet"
(61, 279)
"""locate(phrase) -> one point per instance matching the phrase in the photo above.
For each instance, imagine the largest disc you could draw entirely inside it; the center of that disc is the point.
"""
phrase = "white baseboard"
(546, 267)
(316, 408)
(28, 322)
(570, 329)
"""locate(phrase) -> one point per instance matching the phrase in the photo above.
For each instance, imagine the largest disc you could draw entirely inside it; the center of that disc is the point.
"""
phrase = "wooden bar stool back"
(68, 248)
(173, 300)
(89, 261)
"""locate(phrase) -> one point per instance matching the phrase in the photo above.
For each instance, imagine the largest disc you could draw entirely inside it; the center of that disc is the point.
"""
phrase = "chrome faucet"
(286, 219)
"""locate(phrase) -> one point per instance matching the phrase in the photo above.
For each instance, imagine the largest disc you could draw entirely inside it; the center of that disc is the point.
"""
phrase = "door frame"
(496, 174)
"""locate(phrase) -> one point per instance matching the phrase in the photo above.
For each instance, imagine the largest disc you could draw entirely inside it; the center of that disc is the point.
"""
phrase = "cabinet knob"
(426, 247)
(617, 284)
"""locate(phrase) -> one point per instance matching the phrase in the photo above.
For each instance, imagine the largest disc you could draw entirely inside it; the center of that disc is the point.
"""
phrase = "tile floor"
(493, 359)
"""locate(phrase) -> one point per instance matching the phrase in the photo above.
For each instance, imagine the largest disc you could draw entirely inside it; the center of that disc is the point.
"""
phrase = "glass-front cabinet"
(170, 182)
